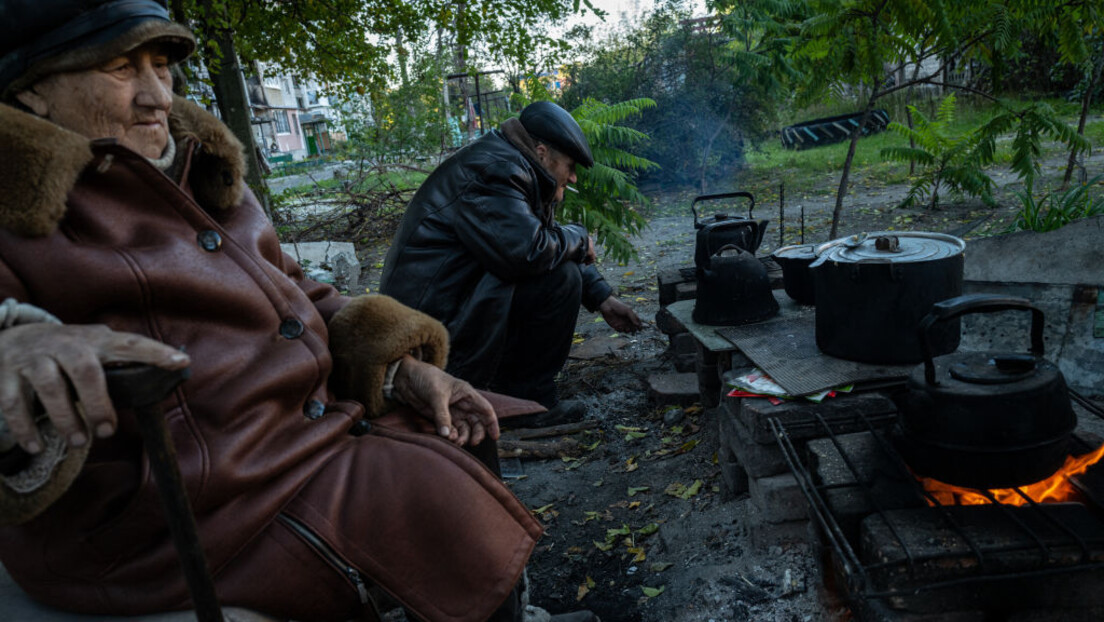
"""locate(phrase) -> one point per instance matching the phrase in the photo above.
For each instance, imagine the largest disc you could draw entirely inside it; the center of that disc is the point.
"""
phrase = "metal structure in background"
(480, 97)
(1054, 547)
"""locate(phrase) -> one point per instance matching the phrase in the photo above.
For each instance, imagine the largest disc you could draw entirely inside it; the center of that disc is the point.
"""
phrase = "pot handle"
(976, 303)
(716, 197)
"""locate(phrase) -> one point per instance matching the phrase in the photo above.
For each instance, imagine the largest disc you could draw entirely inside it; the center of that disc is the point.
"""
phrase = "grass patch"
(372, 181)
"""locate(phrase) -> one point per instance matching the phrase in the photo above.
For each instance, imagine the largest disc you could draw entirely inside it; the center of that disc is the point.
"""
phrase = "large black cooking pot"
(873, 289)
(985, 419)
(723, 229)
(797, 278)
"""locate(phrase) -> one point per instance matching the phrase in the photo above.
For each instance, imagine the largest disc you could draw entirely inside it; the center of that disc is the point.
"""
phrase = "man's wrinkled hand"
(61, 366)
(458, 411)
(619, 315)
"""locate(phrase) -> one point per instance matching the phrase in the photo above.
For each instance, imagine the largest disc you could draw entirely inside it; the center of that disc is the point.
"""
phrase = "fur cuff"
(369, 333)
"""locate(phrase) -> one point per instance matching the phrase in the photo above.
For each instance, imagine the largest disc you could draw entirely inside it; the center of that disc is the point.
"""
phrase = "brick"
(734, 479)
(684, 344)
(759, 460)
(799, 416)
(673, 389)
(668, 324)
(669, 281)
(778, 498)
(686, 291)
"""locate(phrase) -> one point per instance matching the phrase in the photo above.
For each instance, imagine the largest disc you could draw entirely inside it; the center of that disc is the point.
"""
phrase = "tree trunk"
(847, 164)
(1086, 102)
(233, 103)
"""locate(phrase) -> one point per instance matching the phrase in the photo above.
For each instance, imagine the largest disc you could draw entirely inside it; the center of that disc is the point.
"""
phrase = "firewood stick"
(552, 430)
(529, 449)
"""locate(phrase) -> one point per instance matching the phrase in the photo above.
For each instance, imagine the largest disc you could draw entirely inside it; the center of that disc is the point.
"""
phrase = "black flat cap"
(549, 123)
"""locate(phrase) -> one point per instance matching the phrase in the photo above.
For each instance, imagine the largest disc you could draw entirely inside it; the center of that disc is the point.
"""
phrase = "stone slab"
(673, 389)
(1070, 255)
(597, 347)
(334, 262)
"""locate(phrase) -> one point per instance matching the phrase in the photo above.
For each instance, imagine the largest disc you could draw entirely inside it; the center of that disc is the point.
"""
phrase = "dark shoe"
(566, 411)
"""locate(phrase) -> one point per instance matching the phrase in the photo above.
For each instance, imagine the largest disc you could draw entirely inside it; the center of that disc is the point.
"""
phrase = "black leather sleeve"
(595, 287)
(495, 223)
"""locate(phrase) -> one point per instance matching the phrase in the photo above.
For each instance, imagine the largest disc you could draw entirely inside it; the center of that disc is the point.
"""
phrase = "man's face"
(127, 98)
(560, 166)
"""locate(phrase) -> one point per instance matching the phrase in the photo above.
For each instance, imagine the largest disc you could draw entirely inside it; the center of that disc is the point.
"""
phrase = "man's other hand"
(61, 366)
(591, 254)
(619, 315)
(459, 412)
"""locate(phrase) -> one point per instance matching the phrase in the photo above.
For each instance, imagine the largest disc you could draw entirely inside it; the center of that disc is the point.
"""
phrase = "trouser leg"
(542, 320)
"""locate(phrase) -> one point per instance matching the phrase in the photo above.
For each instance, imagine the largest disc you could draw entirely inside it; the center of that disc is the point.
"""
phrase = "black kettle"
(985, 419)
(721, 229)
(733, 289)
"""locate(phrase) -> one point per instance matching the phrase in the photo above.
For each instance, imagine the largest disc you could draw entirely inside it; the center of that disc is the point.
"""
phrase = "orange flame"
(1054, 489)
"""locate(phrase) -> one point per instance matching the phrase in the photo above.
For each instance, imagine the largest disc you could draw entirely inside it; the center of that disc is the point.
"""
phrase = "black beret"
(551, 124)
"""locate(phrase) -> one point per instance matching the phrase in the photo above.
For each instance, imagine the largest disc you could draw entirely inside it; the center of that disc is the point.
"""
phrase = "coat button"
(209, 241)
(360, 428)
(314, 410)
(291, 328)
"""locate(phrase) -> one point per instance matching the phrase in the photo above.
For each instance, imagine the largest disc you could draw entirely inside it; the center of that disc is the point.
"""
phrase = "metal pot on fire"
(873, 289)
(797, 278)
(985, 419)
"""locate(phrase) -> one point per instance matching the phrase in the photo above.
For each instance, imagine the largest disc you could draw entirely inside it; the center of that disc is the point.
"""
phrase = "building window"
(295, 124)
(282, 126)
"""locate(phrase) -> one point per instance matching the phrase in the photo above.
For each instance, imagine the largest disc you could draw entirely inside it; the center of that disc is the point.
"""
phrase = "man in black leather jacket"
(479, 249)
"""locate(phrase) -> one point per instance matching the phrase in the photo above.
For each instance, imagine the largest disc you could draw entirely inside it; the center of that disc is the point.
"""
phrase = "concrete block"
(668, 281)
(684, 344)
(778, 498)
(686, 291)
(841, 413)
(673, 389)
(668, 324)
(328, 262)
(759, 460)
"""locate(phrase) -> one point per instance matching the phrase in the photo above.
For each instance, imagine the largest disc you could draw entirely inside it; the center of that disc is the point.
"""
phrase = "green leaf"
(634, 490)
(652, 592)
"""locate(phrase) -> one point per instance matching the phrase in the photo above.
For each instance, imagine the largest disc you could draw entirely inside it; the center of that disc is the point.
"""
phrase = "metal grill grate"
(910, 545)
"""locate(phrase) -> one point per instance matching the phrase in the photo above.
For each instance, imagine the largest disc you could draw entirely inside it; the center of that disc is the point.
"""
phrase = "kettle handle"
(976, 303)
(723, 195)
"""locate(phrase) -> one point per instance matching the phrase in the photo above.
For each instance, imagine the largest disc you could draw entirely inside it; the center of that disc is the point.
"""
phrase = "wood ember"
(554, 430)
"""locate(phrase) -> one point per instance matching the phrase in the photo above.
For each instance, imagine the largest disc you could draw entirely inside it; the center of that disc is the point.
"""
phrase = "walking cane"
(142, 388)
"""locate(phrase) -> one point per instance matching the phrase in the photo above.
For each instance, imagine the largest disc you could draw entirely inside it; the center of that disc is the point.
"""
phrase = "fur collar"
(43, 161)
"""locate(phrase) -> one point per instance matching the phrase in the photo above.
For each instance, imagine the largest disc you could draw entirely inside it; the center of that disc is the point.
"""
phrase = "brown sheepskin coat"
(294, 513)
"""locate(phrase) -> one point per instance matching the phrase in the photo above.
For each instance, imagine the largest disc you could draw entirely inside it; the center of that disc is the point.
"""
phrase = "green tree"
(606, 192)
(344, 43)
(948, 161)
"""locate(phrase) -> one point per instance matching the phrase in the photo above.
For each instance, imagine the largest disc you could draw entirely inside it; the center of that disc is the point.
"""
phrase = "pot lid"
(891, 247)
(797, 251)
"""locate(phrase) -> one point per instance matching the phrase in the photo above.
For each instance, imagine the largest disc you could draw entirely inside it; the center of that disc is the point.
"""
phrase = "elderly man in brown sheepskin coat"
(127, 236)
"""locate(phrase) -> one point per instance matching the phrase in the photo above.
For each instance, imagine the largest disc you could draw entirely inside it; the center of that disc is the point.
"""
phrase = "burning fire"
(1054, 489)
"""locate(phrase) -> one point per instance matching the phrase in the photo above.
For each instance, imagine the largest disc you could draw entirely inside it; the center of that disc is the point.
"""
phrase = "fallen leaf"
(675, 489)
(638, 553)
(660, 566)
(631, 465)
(688, 445)
(652, 592)
(632, 436)
(603, 546)
(629, 273)
(591, 515)
(633, 491)
(577, 340)
(597, 483)
(592, 446)
(634, 505)
(648, 529)
(692, 490)
(542, 509)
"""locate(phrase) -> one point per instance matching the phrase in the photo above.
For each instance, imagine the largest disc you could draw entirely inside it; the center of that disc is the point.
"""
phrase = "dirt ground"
(637, 527)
